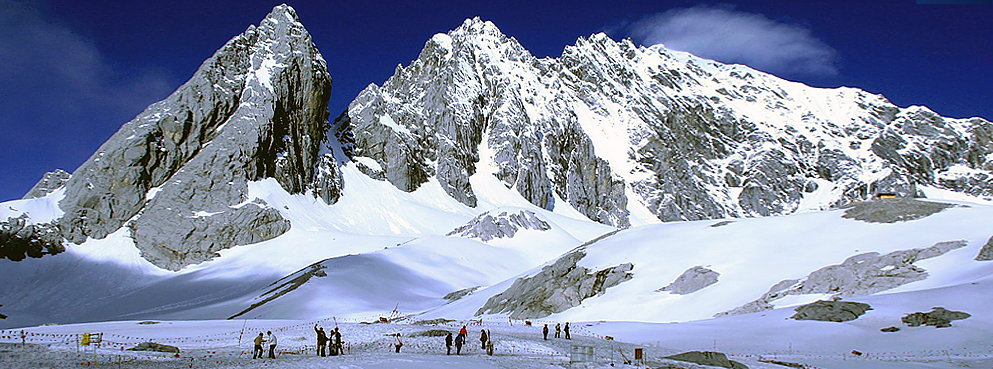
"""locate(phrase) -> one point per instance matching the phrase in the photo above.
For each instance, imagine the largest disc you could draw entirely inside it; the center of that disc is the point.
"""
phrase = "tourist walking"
(558, 329)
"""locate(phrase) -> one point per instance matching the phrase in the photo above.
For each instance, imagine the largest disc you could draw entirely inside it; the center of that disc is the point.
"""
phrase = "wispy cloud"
(43, 60)
(730, 36)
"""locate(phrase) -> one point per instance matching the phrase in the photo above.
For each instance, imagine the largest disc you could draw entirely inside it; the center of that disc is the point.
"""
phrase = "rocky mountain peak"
(177, 175)
(624, 132)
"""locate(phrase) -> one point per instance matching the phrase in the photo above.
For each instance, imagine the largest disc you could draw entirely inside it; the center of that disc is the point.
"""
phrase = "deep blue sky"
(72, 72)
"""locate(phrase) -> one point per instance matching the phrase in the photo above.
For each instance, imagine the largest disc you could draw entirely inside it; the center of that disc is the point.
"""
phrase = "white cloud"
(730, 36)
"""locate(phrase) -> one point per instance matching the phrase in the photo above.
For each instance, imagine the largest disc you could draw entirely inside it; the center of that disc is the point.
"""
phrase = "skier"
(258, 352)
(483, 338)
(567, 336)
(272, 345)
(558, 329)
(544, 332)
(448, 343)
(322, 341)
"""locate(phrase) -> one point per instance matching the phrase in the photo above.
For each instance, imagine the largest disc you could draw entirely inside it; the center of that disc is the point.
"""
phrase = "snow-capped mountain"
(482, 181)
(634, 135)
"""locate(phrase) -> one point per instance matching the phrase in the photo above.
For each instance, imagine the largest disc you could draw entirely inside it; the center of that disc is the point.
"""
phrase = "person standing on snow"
(272, 345)
(337, 341)
(322, 341)
(483, 338)
(448, 343)
(258, 352)
(558, 329)
(567, 336)
(544, 332)
(399, 343)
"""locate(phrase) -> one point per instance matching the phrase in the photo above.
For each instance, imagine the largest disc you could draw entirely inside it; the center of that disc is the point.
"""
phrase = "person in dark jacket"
(399, 343)
(459, 341)
(544, 332)
(567, 336)
(483, 338)
(448, 343)
(322, 341)
(558, 330)
(258, 352)
(337, 342)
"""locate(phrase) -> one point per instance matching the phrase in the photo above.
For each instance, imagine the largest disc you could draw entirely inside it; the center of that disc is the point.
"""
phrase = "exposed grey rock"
(460, 293)
(938, 317)
(859, 275)
(286, 285)
(831, 311)
(50, 182)
(179, 171)
(486, 226)
(692, 280)
(687, 146)
(889, 329)
(155, 347)
(556, 288)
(20, 239)
(986, 254)
(709, 358)
(893, 210)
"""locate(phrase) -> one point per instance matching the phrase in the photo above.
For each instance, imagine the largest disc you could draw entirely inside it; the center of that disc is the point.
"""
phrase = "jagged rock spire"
(177, 174)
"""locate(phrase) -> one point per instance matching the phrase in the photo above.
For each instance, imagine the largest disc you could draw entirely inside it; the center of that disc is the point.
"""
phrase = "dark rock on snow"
(20, 239)
(709, 358)
(556, 288)
(831, 311)
(692, 280)
(938, 317)
(986, 254)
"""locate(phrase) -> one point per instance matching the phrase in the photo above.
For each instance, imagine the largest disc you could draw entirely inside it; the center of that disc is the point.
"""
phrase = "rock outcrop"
(556, 288)
(986, 254)
(708, 358)
(50, 182)
(177, 175)
(831, 311)
(609, 128)
(486, 226)
(20, 239)
(892, 210)
(938, 317)
(692, 280)
(859, 275)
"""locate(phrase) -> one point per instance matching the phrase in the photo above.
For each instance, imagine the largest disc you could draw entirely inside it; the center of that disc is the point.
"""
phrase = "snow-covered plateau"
(650, 198)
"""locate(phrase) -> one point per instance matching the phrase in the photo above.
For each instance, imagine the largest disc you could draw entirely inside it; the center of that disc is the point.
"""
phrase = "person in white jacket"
(272, 345)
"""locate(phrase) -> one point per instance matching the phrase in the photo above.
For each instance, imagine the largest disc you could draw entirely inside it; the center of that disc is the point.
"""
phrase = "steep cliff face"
(177, 174)
(622, 132)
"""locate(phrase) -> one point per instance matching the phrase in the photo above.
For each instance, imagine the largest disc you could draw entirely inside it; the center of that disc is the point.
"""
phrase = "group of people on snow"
(260, 341)
(484, 340)
(326, 341)
(558, 330)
